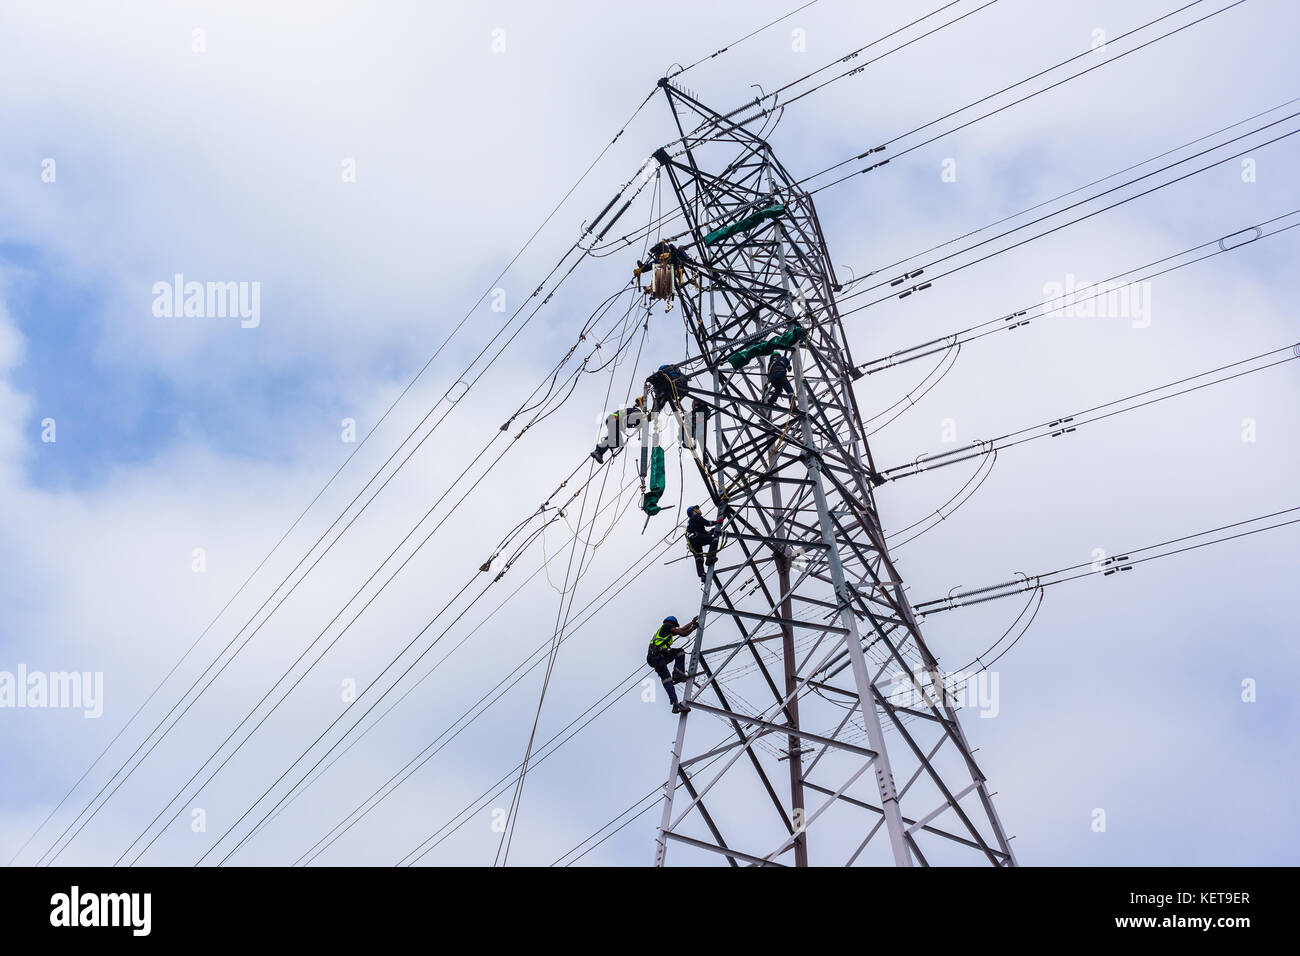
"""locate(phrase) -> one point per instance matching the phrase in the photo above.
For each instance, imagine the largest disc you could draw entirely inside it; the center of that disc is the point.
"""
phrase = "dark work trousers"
(660, 661)
(779, 384)
(700, 546)
(666, 391)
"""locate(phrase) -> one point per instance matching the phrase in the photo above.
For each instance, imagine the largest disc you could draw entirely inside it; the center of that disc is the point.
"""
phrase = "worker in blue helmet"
(662, 655)
(668, 385)
(702, 538)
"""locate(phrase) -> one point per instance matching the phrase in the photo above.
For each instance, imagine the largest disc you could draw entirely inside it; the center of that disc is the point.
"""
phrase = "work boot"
(679, 676)
(677, 708)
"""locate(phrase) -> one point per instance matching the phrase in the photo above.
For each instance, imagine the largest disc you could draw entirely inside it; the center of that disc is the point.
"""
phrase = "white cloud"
(226, 165)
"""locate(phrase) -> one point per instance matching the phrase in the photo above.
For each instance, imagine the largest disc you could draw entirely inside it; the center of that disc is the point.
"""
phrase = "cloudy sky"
(373, 169)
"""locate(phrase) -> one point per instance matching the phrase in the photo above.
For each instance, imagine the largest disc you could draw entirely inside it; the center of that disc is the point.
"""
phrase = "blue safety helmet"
(670, 620)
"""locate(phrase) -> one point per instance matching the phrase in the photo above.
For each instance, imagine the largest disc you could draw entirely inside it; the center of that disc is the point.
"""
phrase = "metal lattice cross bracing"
(805, 633)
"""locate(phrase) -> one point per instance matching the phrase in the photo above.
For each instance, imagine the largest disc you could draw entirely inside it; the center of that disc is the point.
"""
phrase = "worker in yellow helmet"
(618, 425)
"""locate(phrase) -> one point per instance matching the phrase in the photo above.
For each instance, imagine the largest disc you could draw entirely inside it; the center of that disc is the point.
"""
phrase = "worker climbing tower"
(809, 664)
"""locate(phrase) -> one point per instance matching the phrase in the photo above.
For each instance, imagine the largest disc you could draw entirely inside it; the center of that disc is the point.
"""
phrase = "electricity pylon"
(808, 652)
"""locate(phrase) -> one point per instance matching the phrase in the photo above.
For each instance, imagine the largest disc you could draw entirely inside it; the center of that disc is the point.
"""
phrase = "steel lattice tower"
(805, 630)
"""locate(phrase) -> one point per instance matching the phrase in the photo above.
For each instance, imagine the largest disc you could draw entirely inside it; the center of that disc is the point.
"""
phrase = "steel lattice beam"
(806, 589)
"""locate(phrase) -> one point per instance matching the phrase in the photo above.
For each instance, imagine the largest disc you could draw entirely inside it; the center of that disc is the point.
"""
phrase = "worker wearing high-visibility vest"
(618, 424)
(662, 654)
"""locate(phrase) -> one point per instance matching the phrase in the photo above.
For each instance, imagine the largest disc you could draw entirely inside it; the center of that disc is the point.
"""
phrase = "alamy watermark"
(75, 908)
(976, 690)
(208, 300)
(1076, 298)
(65, 690)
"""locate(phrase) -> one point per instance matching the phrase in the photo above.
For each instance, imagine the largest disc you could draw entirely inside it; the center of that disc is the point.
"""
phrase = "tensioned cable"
(735, 43)
(1064, 425)
(339, 636)
(931, 381)
(966, 265)
(503, 846)
(1055, 199)
(1031, 618)
(294, 586)
(512, 816)
(330, 481)
(1125, 562)
(856, 70)
(257, 726)
(276, 783)
(311, 779)
(654, 796)
(622, 242)
(320, 557)
(1073, 76)
(427, 753)
(340, 716)
(757, 103)
(656, 792)
(980, 475)
(614, 695)
(1083, 202)
(1035, 601)
(430, 750)
(1021, 317)
(901, 136)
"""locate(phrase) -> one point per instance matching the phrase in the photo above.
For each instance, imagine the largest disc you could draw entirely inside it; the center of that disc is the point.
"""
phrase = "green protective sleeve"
(746, 224)
(785, 340)
(650, 503)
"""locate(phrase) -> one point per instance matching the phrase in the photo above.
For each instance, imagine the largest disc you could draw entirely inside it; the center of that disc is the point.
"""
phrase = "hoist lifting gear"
(650, 503)
(746, 224)
(661, 655)
(665, 264)
(786, 340)
(664, 251)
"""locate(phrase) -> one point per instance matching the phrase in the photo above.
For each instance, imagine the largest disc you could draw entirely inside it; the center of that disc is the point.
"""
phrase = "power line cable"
(251, 635)
(430, 750)
(1057, 305)
(1068, 424)
(330, 481)
(735, 43)
(1103, 567)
